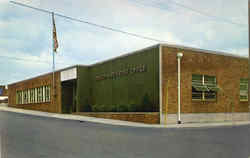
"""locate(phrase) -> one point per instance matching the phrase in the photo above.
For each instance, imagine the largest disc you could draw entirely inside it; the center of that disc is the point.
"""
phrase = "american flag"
(55, 42)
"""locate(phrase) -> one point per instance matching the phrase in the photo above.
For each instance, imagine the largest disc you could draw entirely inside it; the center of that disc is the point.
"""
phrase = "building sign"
(127, 71)
(69, 74)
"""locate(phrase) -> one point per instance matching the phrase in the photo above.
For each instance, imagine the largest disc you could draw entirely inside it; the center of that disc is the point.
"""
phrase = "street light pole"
(179, 56)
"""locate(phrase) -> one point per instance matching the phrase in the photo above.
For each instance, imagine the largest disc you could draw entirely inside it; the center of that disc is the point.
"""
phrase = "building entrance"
(68, 96)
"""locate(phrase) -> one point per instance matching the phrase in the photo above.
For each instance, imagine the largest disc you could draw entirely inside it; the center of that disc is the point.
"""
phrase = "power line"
(159, 6)
(206, 14)
(92, 24)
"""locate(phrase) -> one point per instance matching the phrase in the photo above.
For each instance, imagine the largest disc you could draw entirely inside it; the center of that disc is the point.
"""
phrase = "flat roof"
(140, 50)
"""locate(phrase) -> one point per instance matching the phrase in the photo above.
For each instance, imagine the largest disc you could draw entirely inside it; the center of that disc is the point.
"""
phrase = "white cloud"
(4, 1)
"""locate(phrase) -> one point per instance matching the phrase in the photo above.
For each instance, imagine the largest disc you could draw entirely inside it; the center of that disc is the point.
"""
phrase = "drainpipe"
(179, 56)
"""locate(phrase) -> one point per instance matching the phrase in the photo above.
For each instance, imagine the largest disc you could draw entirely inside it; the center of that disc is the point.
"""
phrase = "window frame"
(244, 82)
(204, 87)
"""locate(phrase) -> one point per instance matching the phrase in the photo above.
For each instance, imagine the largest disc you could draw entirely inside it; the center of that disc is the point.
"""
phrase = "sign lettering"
(124, 72)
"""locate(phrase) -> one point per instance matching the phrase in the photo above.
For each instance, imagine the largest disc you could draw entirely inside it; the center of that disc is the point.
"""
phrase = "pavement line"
(119, 122)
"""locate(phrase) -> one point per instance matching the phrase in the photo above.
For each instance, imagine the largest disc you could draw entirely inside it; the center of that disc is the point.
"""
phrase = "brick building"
(212, 86)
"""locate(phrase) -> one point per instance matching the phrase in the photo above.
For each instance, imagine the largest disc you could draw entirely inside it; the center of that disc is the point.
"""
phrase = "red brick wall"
(53, 106)
(228, 71)
(149, 118)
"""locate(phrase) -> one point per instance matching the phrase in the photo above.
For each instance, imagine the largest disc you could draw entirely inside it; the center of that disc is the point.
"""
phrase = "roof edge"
(203, 50)
(138, 51)
(59, 70)
(125, 55)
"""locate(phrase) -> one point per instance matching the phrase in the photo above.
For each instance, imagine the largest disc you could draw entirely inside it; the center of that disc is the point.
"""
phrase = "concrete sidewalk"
(118, 122)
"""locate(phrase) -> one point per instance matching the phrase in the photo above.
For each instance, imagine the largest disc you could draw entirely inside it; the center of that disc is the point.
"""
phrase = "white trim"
(160, 84)
(203, 82)
(68, 74)
(35, 95)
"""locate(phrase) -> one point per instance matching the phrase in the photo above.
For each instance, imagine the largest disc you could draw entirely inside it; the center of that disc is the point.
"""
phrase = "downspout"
(179, 56)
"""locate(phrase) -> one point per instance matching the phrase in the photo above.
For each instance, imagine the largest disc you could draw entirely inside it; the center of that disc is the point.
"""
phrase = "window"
(28, 96)
(204, 88)
(19, 97)
(47, 93)
(243, 89)
(43, 87)
(33, 95)
(25, 97)
(39, 95)
(197, 87)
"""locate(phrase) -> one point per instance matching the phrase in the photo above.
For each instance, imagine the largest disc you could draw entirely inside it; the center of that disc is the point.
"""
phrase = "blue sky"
(26, 34)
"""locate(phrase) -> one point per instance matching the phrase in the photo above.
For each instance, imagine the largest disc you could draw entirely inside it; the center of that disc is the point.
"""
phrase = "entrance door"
(68, 95)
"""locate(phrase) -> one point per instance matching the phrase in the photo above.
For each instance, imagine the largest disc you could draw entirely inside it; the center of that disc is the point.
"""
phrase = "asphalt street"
(26, 136)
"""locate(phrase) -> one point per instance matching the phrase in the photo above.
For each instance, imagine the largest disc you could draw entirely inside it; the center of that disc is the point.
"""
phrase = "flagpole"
(53, 66)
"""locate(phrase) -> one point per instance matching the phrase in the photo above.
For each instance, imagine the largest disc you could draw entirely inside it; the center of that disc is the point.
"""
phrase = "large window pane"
(204, 87)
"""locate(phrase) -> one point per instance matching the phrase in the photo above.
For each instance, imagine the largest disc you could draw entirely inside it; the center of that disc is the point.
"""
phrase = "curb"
(119, 122)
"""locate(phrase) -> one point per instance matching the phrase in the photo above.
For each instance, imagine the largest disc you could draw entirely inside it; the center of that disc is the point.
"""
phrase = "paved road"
(27, 136)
